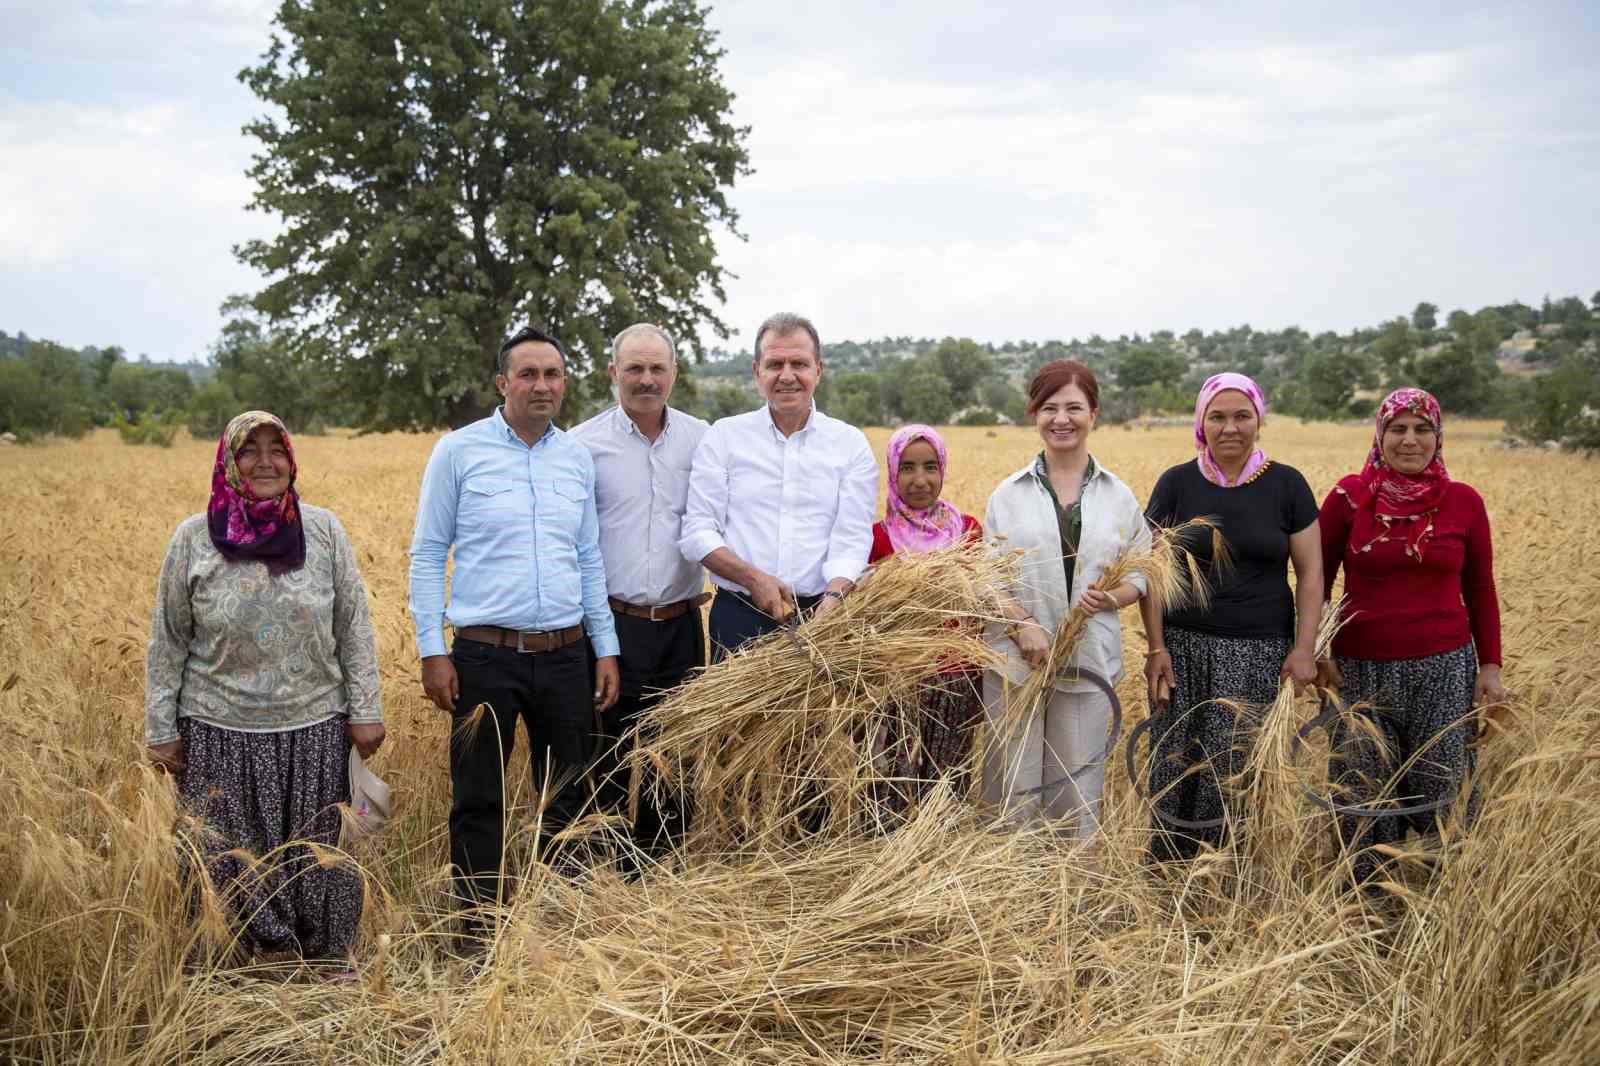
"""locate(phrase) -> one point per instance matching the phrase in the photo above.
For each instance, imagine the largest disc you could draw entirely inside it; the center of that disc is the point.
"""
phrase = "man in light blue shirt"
(514, 496)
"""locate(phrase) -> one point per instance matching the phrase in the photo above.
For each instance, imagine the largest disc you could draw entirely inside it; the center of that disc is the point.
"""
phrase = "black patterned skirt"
(1413, 747)
(259, 792)
(1198, 742)
(949, 708)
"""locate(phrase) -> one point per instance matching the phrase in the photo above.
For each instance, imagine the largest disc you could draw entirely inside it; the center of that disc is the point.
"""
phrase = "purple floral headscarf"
(244, 526)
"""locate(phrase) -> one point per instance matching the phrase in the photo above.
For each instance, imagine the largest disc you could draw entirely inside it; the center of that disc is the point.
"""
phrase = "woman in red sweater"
(917, 520)
(1421, 638)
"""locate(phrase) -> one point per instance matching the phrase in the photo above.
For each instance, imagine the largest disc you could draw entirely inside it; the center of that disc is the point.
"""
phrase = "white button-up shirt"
(640, 490)
(1022, 515)
(798, 507)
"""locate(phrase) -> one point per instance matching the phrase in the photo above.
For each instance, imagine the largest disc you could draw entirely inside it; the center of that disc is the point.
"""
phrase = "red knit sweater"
(1399, 608)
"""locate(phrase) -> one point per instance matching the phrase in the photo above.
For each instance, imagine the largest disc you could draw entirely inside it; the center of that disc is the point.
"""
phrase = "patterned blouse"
(233, 646)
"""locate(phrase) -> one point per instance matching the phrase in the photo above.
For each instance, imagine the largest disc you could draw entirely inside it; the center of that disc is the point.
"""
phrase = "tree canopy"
(446, 171)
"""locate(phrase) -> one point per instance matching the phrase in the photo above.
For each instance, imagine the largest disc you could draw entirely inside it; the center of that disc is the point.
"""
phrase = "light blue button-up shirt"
(527, 545)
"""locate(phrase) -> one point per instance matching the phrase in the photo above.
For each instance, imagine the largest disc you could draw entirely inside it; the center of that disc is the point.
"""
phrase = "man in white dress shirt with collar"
(642, 451)
(781, 499)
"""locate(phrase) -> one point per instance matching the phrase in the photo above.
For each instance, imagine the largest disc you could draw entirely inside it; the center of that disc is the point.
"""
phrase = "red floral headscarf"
(244, 526)
(1403, 502)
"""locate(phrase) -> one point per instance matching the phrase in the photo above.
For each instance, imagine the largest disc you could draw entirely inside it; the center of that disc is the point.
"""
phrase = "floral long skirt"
(951, 706)
(1413, 748)
(1202, 737)
(266, 793)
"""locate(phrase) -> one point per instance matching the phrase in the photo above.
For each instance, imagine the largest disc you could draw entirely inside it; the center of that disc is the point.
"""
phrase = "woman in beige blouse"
(262, 673)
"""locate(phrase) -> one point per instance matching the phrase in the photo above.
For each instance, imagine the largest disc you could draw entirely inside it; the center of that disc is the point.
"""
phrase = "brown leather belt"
(531, 643)
(665, 612)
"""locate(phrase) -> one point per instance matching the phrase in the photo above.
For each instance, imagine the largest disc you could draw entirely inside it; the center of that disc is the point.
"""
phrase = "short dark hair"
(784, 323)
(526, 335)
(1058, 374)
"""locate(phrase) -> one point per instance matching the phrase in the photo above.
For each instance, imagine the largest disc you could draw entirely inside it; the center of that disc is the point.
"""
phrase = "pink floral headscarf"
(1404, 500)
(244, 526)
(1208, 464)
(909, 529)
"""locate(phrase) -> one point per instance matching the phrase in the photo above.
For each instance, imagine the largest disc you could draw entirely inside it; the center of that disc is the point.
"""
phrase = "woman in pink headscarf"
(1420, 645)
(916, 519)
(1210, 664)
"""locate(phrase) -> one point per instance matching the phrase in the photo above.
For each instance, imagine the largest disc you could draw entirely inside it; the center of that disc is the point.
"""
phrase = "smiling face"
(1231, 427)
(644, 372)
(263, 463)
(1409, 443)
(787, 371)
(918, 479)
(1065, 419)
(533, 384)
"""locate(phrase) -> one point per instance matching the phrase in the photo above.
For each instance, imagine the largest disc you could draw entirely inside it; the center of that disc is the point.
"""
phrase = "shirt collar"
(509, 434)
(811, 419)
(1039, 470)
(627, 425)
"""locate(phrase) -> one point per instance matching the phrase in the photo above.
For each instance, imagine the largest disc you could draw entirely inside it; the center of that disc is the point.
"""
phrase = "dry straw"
(942, 942)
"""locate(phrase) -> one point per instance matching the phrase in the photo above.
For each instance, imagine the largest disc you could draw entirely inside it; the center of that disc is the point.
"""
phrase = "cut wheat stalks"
(773, 740)
(1172, 575)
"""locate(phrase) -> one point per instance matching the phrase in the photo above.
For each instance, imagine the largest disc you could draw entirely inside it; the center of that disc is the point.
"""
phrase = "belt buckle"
(520, 649)
(653, 609)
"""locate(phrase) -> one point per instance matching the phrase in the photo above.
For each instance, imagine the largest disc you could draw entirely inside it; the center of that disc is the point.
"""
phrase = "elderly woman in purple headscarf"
(916, 519)
(1211, 668)
(262, 673)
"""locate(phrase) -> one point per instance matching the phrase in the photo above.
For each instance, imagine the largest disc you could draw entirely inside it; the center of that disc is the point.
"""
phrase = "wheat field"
(944, 942)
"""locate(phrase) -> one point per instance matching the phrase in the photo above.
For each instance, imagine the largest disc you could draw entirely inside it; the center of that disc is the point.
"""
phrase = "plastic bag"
(369, 802)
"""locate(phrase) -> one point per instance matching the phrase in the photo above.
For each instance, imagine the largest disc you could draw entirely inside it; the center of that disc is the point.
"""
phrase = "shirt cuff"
(696, 546)
(431, 643)
(838, 568)
(605, 646)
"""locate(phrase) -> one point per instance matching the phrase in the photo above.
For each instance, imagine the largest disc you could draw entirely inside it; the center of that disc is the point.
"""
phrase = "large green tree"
(964, 364)
(448, 169)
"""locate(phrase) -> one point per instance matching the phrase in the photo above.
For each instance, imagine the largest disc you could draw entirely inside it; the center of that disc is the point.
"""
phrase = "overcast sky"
(997, 170)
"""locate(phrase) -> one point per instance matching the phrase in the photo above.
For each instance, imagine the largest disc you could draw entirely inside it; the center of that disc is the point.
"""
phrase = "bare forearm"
(1150, 614)
(1308, 605)
(730, 567)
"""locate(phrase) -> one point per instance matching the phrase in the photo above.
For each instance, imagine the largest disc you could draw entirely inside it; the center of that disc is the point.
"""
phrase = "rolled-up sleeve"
(705, 515)
(851, 540)
(430, 546)
(352, 631)
(598, 621)
(171, 631)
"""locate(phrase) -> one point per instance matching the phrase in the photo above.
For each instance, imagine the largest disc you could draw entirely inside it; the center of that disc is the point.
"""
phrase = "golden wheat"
(942, 942)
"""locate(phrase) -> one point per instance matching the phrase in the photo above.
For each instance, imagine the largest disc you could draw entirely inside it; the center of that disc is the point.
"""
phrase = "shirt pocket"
(484, 496)
(561, 501)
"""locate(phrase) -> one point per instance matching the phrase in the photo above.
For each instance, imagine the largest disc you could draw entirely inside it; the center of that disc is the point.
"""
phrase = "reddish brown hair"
(1058, 374)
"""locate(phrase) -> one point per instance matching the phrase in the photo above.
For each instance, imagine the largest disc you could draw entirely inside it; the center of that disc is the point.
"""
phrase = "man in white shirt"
(781, 499)
(642, 451)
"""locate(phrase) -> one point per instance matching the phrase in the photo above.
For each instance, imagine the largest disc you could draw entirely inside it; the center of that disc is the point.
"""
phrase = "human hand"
(1097, 599)
(772, 597)
(367, 737)
(607, 683)
(1329, 675)
(439, 681)
(1301, 668)
(1159, 677)
(169, 756)
(1032, 641)
(1489, 691)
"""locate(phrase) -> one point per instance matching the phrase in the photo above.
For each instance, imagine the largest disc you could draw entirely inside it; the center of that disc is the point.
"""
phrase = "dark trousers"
(656, 656)
(553, 695)
(735, 621)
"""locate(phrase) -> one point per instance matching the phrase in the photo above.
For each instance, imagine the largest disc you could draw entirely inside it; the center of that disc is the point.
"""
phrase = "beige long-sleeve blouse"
(236, 647)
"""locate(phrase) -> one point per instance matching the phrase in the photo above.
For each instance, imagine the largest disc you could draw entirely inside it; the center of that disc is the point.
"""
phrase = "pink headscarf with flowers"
(1396, 499)
(1208, 463)
(244, 526)
(909, 529)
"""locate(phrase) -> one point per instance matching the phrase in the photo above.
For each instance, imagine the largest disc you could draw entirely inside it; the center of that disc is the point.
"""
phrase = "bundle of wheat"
(773, 741)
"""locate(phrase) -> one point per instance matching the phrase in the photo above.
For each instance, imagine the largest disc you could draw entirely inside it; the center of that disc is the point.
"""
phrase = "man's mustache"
(645, 390)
